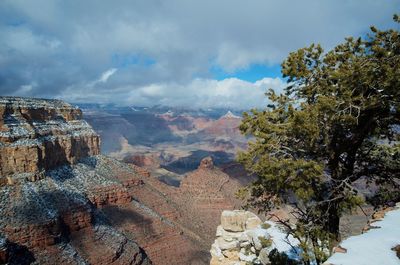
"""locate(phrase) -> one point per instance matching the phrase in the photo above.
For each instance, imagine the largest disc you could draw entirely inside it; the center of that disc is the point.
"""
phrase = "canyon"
(63, 202)
(169, 142)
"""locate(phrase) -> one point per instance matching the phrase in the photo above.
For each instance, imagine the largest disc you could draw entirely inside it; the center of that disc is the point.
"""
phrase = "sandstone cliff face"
(204, 194)
(37, 135)
(174, 225)
(53, 188)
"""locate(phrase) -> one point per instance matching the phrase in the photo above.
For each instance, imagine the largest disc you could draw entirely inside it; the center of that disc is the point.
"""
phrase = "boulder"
(224, 245)
(339, 249)
(215, 250)
(244, 244)
(253, 222)
(234, 221)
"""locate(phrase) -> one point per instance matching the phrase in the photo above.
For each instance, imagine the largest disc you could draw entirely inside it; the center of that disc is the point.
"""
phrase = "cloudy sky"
(201, 53)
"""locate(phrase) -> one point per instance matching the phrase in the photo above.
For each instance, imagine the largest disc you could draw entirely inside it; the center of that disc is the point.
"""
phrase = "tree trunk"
(332, 226)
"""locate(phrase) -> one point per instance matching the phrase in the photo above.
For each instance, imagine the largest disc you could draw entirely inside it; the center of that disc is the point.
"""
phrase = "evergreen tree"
(336, 122)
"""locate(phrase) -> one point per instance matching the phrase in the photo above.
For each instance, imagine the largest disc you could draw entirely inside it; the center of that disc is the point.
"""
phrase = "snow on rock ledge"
(243, 238)
(373, 247)
(40, 134)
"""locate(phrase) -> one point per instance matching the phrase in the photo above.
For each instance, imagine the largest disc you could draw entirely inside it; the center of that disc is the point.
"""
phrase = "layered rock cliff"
(175, 225)
(38, 135)
(53, 186)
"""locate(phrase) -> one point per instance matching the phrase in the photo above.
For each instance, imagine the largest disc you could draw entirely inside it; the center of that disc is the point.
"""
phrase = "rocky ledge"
(242, 238)
(40, 134)
(53, 187)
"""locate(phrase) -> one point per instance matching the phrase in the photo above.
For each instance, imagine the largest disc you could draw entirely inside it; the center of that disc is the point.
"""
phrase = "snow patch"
(282, 241)
(374, 246)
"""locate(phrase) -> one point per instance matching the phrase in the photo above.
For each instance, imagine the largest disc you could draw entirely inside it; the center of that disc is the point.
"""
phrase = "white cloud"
(207, 93)
(230, 93)
(106, 75)
(62, 46)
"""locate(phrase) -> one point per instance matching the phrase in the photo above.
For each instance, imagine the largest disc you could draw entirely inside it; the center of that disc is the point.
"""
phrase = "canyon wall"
(37, 135)
(53, 186)
(63, 203)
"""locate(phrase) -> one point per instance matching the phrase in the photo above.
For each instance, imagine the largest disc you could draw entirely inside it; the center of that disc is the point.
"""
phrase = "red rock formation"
(142, 171)
(206, 163)
(174, 225)
(93, 208)
(37, 135)
(56, 220)
(60, 209)
(226, 125)
(109, 195)
(205, 193)
(143, 160)
(104, 246)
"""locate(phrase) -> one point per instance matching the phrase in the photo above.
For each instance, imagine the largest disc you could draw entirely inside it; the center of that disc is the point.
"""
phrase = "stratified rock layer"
(174, 225)
(60, 218)
(38, 134)
(53, 187)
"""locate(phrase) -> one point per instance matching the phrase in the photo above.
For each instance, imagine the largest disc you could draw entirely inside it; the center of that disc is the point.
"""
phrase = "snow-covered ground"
(373, 247)
(282, 241)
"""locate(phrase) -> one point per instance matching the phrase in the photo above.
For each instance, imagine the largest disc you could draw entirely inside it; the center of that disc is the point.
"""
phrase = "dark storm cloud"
(152, 52)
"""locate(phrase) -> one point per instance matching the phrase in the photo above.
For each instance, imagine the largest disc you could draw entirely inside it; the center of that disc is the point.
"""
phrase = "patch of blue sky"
(10, 21)
(252, 73)
(126, 60)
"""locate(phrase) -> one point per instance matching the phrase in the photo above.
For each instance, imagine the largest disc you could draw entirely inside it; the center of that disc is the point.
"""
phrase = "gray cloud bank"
(151, 52)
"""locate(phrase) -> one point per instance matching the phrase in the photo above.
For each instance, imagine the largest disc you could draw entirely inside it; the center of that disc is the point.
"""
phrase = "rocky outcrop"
(206, 163)
(109, 195)
(242, 238)
(204, 194)
(53, 188)
(238, 221)
(65, 210)
(238, 239)
(38, 135)
(174, 225)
